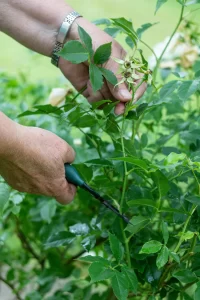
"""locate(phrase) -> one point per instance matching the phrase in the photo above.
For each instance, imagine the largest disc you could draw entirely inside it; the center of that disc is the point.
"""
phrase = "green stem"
(125, 167)
(189, 217)
(126, 243)
(141, 41)
(11, 286)
(76, 96)
(164, 50)
(185, 228)
(193, 244)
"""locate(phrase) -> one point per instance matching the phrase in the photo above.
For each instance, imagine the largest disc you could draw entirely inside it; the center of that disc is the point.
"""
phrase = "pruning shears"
(72, 176)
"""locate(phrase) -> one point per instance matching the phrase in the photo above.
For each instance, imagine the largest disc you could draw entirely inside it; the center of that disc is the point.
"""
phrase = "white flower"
(57, 95)
(179, 51)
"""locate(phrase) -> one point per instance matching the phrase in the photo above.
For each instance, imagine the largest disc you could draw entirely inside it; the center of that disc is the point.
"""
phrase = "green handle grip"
(72, 175)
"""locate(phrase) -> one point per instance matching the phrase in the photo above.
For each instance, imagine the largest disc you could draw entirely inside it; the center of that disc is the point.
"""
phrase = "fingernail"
(125, 94)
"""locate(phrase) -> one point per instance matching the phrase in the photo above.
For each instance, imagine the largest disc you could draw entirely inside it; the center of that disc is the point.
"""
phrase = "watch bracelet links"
(62, 33)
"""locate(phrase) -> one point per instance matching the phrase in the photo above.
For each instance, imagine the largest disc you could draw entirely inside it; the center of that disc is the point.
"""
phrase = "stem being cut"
(167, 45)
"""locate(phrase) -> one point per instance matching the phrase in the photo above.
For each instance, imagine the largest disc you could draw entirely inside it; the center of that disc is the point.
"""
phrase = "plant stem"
(78, 94)
(11, 286)
(126, 243)
(185, 228)
(125, 167)
(164, 50)
(26, 245)
(141, 41)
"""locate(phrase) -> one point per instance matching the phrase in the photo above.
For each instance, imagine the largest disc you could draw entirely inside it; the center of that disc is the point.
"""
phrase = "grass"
(14, 58)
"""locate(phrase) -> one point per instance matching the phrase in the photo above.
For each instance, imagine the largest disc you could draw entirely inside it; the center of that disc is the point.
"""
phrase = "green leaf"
(165, 231)
(174, 158)
(61, 238)
(34, 296)
(4, 196)
(134, 161)
(96, 105)
(162, 258)
(197, 292)
(186, 235)
(98, 272)
(127, 27)
(86, 40)
(48, 210)
(175, 256)
(193, 199)
(99, 162)
(190, 136)
(142, 202)
(151, 247)
(85, 121)
(159, 4)
(188, 88)
(185, 276)
(137, 223)
(169, 88)
(98, 259)
(74, 52)
(116, 247)
(41, 110)
(143, 28)
(102, 21)
(109, 76)
(102, 54)
(173, 210)
(111, 125)
(193, 2)
(89, 242)
(131, 278)
(161, 182)
(120, 286)
(79, 229)
(96, 77)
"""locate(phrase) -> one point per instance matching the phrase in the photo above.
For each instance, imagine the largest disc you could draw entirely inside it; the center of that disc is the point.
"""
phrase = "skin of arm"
(35, 24)
(32, 159)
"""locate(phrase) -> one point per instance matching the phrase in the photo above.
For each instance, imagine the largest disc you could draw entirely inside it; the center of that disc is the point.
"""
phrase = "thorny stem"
(151, 49)
(126, 243)
(26, 245)
(76, 96)
(171, 37)
(185, 228)
(187, 255)
(12, 287)
(189, 217)
(125, 166)
(170, 267)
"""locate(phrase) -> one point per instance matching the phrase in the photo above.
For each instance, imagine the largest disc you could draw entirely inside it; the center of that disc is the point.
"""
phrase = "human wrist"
(44, 19)
(9, 132)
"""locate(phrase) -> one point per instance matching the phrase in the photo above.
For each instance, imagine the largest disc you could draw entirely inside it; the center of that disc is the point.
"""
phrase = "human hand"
(79, 74)
(34, 163)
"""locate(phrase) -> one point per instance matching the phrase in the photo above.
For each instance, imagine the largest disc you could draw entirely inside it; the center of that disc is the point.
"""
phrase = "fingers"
(121, 91)
(78, 75)
(120, 108)
(104, 93)
(66, 193)
(67, 152)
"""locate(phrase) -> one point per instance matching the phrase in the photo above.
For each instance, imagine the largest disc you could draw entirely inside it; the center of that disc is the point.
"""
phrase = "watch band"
(62, 33)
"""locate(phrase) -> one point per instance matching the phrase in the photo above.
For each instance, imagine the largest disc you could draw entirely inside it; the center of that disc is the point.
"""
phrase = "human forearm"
(8, 135)
(34, 24)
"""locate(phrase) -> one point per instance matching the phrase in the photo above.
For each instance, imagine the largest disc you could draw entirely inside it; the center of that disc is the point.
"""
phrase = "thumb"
(120, 91)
